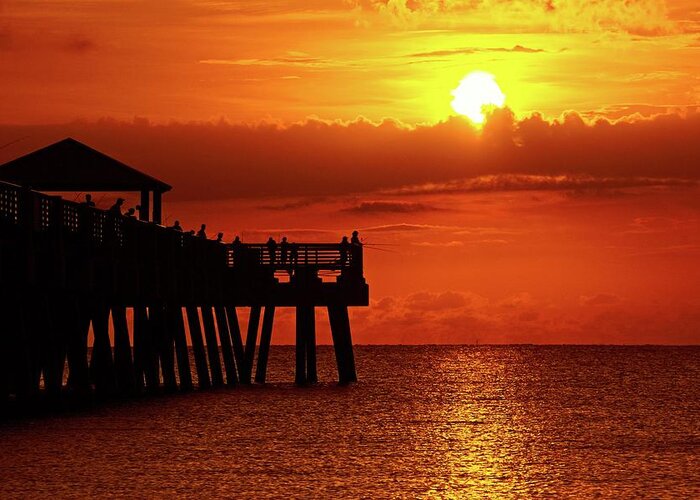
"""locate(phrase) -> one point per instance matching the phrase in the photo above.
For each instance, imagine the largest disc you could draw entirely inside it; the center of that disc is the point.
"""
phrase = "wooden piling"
(200, 358)
(101, 362)
(310, 332)
(265, 340)
(165, 346)
(226, 350)
(217, 377)
(250, 341)
(234, 329)
(77, 325)
(302, 319)
(145, 358)
(123, 362)
(177, 325)
(342, 343)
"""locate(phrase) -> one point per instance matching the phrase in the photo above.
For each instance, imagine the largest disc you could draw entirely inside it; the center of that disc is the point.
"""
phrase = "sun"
(476, 91)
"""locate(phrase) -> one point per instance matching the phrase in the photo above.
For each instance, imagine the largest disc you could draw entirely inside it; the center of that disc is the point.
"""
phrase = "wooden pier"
(66, 267)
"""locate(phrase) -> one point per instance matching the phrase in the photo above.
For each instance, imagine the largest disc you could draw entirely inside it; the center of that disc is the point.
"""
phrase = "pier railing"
(67, 267)
(83, 248)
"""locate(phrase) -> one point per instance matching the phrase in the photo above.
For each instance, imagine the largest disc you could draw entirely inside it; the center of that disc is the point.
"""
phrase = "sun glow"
(476, 91)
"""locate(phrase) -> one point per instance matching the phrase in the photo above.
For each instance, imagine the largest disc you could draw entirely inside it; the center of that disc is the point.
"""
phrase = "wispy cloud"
(378, 207)
(474, 50)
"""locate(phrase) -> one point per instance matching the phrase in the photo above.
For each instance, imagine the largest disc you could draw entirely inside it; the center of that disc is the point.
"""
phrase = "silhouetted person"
(237, 250)
(355, 240)
(293, 253)
(220, 238)
(176, 226)
(344, 249)
(271, 249)
(116, 209)
(131, 212)
(284, 250)
(202, 233)
(191, 232)
(88, 201)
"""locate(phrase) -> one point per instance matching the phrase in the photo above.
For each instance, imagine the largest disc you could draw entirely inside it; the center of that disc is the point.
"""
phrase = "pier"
(67, 267)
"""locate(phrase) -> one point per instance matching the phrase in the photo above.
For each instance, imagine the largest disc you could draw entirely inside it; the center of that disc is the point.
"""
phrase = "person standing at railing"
(220, 238)
(344, 249)
(131, 212)
(116, 209)
(272, 250)
(284, 250)
(176, 226)
(293, 254)
(237, 247)
(202, 233)
(88, 201)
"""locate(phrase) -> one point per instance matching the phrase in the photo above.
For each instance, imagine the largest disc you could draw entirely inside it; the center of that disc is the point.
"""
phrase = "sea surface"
(423, 422)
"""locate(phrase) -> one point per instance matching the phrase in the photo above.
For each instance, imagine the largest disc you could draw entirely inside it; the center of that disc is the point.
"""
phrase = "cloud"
(380, 207)
(79, 44)
(578, 185)
(452, 317)
(600, 299)
(640, 18)
(315, 158)
(403, 227)
(291, 59)
(474, 50)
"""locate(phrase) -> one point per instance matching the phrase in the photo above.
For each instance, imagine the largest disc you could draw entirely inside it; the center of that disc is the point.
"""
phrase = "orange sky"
(311, 118)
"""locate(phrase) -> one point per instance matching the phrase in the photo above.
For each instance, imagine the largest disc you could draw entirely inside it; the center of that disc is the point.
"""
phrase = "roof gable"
(69, 165)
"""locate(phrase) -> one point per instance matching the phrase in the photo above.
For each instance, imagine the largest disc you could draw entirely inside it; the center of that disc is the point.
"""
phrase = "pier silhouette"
(67, 266)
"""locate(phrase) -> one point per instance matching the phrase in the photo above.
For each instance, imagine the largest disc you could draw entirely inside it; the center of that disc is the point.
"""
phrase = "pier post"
(342, 343)
(77, 325)
(164, 343)
(226, 350)
(101, 363)
(234, 329)
(200, 358)
(217, 377)
(250, 341)
(122, 351)
(177, 326)
(265, 340)
(145, 358)
(300, 377)
(56, 356)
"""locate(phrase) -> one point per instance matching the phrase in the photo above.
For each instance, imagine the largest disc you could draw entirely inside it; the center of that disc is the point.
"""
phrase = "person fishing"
(284, 250)
(271, 249)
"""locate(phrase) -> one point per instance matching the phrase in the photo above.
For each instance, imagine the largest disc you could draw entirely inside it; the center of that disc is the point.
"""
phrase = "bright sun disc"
(477, 90)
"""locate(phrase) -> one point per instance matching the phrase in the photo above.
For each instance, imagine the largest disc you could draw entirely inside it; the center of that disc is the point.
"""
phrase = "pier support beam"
(236, 341)
(305, 345)
(145, 358)
(226, 350)
(164, 342)
(101, 363)
(250, 341)
(217, 376)
(77, 326)
(177, 326)
(123, 362)
(265, 340)
(200, 358)
(342, 343)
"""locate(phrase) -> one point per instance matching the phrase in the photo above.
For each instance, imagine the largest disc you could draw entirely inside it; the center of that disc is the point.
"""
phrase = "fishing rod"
(14, 142)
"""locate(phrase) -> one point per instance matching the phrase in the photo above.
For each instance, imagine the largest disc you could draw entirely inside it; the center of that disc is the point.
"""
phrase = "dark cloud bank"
(316, 158)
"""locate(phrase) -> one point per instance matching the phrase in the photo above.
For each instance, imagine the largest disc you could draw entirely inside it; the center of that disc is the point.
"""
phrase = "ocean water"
(423, 422)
